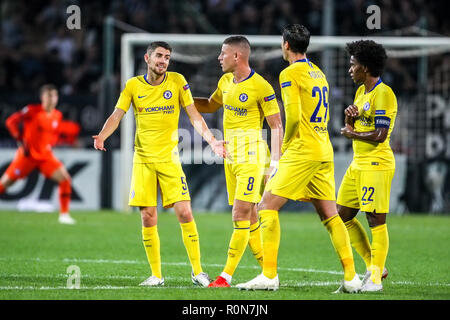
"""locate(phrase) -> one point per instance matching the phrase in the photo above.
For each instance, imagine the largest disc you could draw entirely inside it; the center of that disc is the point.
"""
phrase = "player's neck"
(241, 73)
(155, 79)
(370, 82)
(47, 109)
(295, 57)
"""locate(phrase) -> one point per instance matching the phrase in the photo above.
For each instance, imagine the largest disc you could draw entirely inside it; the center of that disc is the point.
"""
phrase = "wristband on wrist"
(273, 163)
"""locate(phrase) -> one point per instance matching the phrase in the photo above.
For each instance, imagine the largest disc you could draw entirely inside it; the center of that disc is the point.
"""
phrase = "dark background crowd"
(36, 46)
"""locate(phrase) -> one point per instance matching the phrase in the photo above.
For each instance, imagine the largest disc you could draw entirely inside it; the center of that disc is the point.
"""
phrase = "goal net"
(418, 70)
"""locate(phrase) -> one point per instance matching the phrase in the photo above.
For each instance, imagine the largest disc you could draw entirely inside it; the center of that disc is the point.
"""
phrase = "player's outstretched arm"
(206, 105)
(199, 124)
(109, 127)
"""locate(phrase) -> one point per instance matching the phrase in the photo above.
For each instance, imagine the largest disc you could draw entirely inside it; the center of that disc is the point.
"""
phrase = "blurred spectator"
(73, 58)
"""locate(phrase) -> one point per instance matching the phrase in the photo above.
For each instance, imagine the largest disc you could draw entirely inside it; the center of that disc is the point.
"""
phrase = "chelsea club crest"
(366, 106)
(243, 97)
(167, 94)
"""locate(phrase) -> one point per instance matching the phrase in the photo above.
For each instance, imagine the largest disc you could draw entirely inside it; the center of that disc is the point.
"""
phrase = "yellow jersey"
(304, 90)
(245, 105)
(377, 108)
(157, 111)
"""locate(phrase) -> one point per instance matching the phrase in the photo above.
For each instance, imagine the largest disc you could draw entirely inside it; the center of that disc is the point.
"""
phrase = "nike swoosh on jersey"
(246, 194)
(183, 193)
(365, 203)
(141, 96)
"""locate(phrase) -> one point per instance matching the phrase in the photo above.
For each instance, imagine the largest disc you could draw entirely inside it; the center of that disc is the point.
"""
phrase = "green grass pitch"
(36, 251)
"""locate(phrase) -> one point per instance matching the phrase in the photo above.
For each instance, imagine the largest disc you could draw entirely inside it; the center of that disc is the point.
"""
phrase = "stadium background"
(37, 47)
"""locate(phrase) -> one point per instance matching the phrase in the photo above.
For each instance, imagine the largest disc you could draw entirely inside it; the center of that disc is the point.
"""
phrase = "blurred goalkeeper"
(158, 97)
(36, 128)
(247, 98)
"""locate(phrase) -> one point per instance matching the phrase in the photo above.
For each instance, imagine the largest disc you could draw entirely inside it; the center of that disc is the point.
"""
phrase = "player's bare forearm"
(205, 105)
(350, 121)
(277, 134)
(378, 135)
(199, 124)
(108, 129)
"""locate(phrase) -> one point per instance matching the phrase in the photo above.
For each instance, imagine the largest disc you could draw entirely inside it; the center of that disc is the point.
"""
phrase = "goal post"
(396, 47)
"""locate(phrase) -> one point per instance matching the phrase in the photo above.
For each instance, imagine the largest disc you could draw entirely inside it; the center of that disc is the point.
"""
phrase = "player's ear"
(146, 57)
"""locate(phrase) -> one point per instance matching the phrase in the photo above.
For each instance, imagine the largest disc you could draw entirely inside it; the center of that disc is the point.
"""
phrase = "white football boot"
(352, 286)
(152, 281)
(65, 218)
(261, 282)
(370, 286)
(202, 279)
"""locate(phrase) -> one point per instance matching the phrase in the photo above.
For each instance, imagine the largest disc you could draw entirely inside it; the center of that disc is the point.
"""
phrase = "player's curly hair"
(370, 54)
(297, 36)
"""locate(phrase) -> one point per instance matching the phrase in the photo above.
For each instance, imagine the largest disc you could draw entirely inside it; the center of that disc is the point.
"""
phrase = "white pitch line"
(109, 261)
(76, 260)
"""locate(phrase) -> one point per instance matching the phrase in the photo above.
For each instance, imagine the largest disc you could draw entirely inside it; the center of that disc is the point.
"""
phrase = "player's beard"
(157, 71)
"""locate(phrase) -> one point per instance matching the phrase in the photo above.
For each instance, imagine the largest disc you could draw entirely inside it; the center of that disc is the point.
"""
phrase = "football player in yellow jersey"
(306, 167)
(247, 98)
(366, 186)
(157, 98)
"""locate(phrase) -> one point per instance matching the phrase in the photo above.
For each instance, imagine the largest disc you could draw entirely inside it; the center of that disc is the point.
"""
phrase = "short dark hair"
(297, 36)
(370, 54)
(47, 87)
(156, 44)
(237, 40)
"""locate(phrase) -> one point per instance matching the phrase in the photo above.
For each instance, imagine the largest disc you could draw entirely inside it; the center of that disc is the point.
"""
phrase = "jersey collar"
(304, 60)
(145, 78)
(376, 84)
(252, 72)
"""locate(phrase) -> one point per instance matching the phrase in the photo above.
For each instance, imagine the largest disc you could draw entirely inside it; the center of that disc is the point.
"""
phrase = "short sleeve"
(126, 96)
(289, 89)
(217, 94)
(186, 98)
(385, 105)
(267, 99)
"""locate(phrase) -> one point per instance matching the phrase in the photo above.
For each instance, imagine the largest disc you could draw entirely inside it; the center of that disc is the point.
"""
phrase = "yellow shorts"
(146, 179)
(303, 180)
(366, 190)
(245, 181)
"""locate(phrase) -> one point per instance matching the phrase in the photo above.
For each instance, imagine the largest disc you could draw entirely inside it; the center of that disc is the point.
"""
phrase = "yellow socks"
(191, 242)
(255, 242)
(270, 231)
(238, 243)
(380, 247)
(359, 240)
(341, 242)
(150, 238)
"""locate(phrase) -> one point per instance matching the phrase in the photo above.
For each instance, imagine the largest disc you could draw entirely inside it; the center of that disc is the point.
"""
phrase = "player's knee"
(375, 219)
(149, 216)
(184, 213)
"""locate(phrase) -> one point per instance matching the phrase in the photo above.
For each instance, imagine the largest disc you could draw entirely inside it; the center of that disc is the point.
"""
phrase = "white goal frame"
(129, 40)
